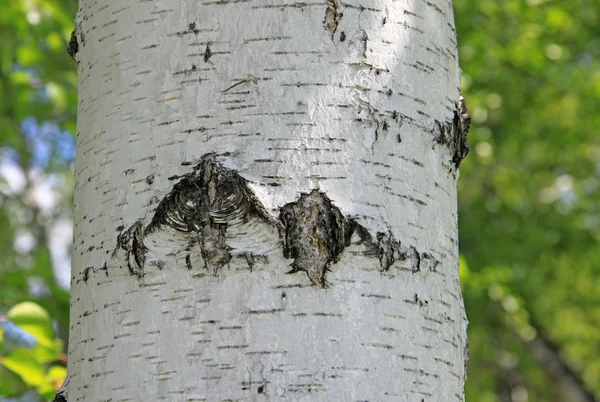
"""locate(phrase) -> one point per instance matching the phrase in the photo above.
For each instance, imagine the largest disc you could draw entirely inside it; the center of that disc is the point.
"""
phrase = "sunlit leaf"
(34, 319)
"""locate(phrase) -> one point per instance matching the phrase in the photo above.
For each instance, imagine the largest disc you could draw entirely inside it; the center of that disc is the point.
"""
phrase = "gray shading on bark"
(211, 200)
(453, 133)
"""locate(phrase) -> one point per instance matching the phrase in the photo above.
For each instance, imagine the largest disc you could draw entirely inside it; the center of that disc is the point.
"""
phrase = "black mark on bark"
(332, 16)
(91, 270)
(315, 234)
(132, 242)
(73, 46)
(454, 133)
(250, 261)
(466, 356)
(207, 53)
(61, 396)
(388, 250)
(86, 273)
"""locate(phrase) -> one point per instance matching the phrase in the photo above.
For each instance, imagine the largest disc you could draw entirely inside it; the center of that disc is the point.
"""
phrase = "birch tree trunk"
(266, 202)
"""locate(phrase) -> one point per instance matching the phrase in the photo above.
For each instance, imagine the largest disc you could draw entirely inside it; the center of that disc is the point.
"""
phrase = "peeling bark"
(332, 16)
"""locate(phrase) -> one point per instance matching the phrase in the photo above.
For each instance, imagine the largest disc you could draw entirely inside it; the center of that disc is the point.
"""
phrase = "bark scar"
(77, 39)
(454, 133)
(332, 16)
(201, 205)
(215, 209)
(315, 234)
(73, 46)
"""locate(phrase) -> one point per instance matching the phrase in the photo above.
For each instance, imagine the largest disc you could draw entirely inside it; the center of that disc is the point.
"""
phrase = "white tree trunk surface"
(331, 108)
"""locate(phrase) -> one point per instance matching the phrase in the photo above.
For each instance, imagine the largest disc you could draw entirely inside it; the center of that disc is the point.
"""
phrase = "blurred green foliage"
(31, 355)
(529, 193)
(37, 82)
(529, 199)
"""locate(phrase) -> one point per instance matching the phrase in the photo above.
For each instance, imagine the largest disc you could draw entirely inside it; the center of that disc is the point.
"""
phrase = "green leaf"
(35, 320)
(10, 383)
(23, 363)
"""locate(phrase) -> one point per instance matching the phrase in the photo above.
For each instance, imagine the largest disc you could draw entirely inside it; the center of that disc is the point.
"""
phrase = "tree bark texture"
(266, 202)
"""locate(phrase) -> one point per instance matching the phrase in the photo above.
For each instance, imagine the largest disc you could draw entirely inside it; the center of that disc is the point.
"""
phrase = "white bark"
(293, 97)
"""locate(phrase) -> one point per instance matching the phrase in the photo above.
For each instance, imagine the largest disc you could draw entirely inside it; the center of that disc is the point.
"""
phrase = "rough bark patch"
(202, 205)
(315, 234)
(132, 241)
(390, 250)
(453, 133)
(332, 16)
(214, 205)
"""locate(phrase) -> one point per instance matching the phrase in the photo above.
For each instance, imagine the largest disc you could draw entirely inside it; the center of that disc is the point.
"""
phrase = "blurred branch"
(570, 386)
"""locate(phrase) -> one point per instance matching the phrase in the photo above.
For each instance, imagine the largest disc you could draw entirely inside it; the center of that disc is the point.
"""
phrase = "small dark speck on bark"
(86, 273)
(207, 53)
